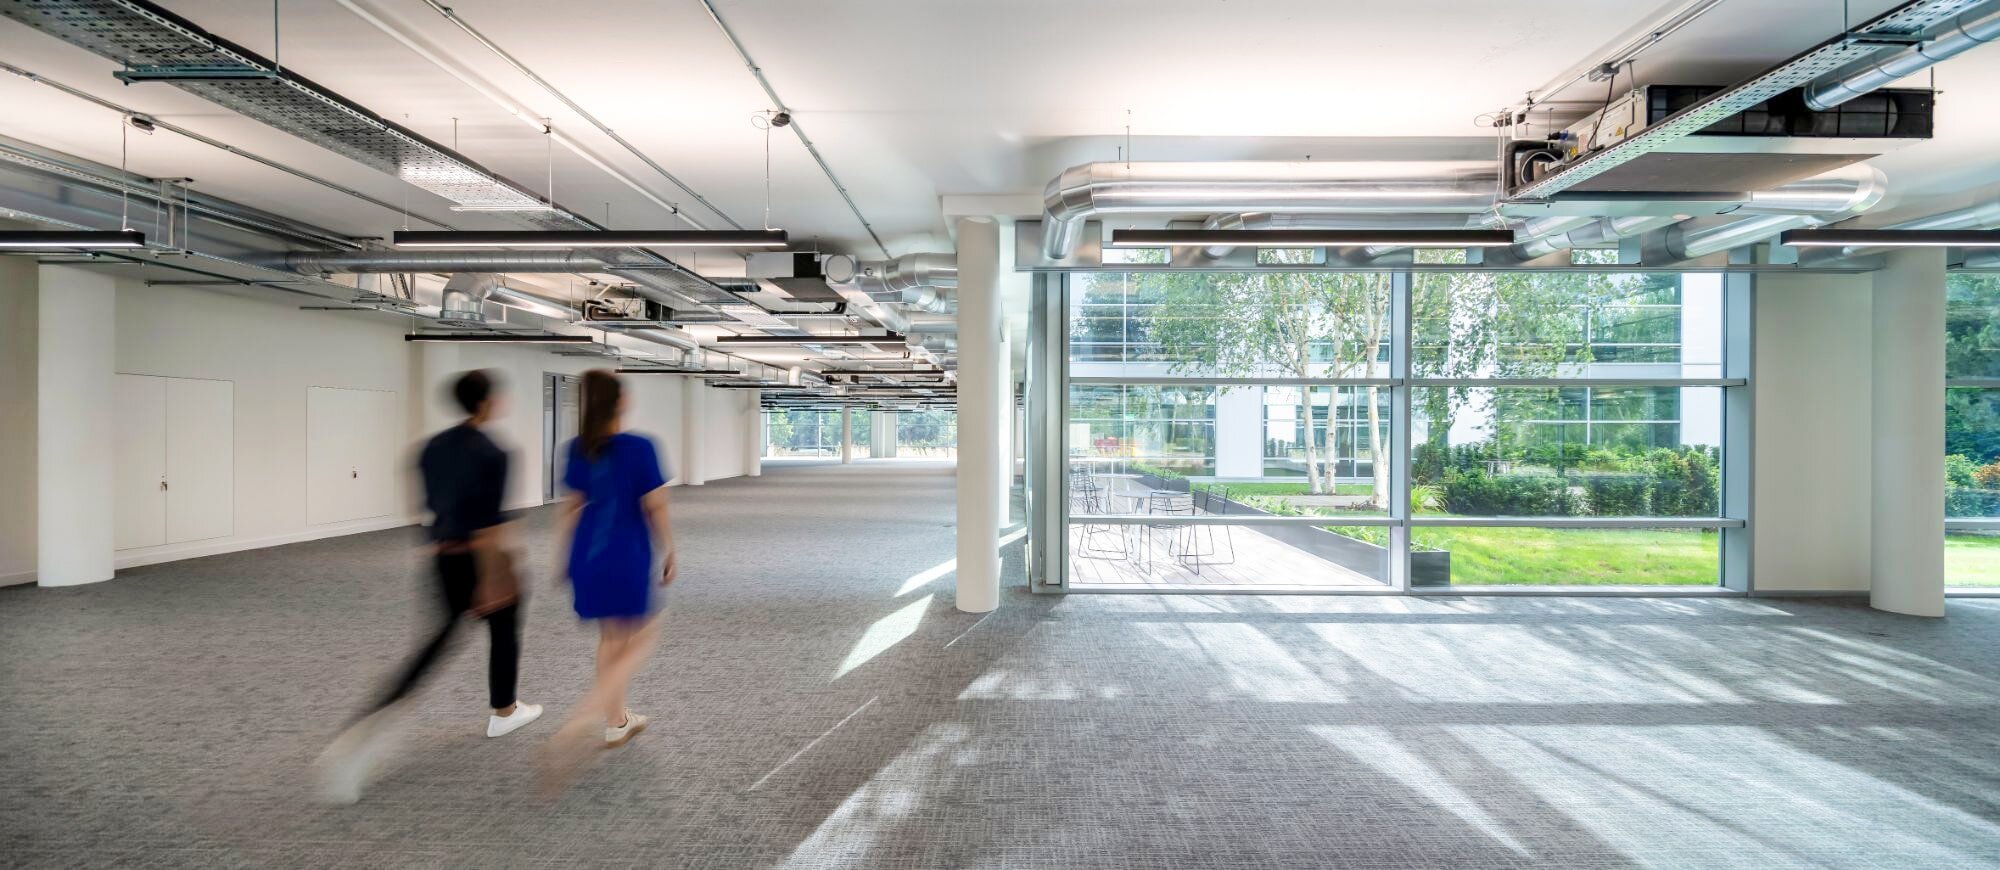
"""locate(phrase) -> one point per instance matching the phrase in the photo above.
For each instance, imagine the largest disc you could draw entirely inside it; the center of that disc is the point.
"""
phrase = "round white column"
(694, 426)
(846, 435)
(979, 364)
(1004, 423)
(1908, 501)
(75, 416)
(753, 434)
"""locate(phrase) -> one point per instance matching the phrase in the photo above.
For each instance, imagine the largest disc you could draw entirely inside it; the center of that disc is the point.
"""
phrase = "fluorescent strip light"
(69, 240)
(787, 340)
(643, 370)
(498, 338)
(1891, 238)
(591, 239)
(1314, 238)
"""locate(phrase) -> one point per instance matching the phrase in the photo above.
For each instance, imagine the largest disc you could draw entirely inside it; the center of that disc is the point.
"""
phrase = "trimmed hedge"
(1619, 495)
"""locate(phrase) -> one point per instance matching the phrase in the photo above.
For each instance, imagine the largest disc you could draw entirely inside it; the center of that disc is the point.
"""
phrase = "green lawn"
(1567, 557)
(1971, 560)
(1249, 489)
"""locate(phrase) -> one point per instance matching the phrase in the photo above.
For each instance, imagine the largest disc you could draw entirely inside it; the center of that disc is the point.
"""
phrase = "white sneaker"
(501, 726)
(616, 737)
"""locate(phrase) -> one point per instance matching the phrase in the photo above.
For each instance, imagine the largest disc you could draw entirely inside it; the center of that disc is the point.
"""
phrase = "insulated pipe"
(1280, 187)
(1866, 187)
(648, 282)
(1967, 31)
(911, 271)
(1598, 232)
(1265, 221)
(465, 296)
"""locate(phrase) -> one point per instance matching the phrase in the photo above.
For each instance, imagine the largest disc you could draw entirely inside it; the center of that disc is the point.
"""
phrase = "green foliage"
(1477, 494)
(1972, 325)
(1988, 475)
(1619, 495)
(1959, 470)
(1426, 497)
(1685, 481)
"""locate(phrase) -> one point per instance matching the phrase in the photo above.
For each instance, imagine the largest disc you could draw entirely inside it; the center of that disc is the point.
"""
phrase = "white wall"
(273, 352)
(726, 426)
(19, 327)
(1811, 513)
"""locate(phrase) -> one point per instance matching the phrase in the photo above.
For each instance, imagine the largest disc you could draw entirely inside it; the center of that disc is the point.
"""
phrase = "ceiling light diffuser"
(791, 340)
(70, 240)
(1891, 238)
(1313, 238)
(590, 239)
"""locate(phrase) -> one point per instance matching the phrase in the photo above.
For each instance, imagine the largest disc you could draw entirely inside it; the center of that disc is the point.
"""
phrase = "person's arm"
(572, 507)
(660, 518)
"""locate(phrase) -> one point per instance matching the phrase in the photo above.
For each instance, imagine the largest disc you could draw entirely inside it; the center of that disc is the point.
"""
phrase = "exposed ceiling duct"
(632, 266)
(1865, 187)
(465, 296)
(912, 271)
(1967, 31)
(1596, 233)
(1276, 187)
(1266, 221)
(152, 42)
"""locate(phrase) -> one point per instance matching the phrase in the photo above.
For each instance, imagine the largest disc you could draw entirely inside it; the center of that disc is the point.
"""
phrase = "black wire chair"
(1205, 545)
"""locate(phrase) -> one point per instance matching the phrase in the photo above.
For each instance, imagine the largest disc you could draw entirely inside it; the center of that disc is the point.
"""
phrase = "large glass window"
(1972, 430)
(1592, 400)
(930, 433)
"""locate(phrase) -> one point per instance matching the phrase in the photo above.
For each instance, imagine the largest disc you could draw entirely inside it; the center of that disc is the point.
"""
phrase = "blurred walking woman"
(621, 543)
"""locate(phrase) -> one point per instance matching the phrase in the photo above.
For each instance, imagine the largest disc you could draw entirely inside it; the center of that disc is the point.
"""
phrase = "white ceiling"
(912, 100)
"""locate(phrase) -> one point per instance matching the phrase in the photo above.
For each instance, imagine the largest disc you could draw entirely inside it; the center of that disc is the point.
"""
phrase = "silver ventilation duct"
(911, 271)
(1597, 233)
(930, 299)
(651, 283)
(465, 296)
(1264, 221)
(1967, 31)
(1302, 187)
(1866, 187)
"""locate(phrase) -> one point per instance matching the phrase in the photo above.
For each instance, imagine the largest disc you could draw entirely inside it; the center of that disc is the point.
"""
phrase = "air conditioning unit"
(628, 310)
(798, 274)
(1774, 142)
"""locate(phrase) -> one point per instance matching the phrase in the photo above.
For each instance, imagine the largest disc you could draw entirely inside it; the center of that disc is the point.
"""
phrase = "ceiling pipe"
(1266, 221)
(1597, 233)
(912, 271)
(1967, 31)
(1866, 187)
(1278, 187)
(649, 283)
(465, 296)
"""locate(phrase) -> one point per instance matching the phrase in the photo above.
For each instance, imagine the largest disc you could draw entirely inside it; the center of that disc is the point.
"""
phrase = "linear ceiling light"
(498, 338)
(644, 370)
(590, 239)
(793, 340)
(1891, 238)
(70, 240)
(1314, 238)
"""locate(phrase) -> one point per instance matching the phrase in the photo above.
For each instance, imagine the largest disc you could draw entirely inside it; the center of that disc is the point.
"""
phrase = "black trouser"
(457, 577)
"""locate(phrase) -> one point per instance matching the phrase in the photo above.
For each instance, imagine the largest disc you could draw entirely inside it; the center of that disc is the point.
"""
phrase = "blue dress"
(611, 568)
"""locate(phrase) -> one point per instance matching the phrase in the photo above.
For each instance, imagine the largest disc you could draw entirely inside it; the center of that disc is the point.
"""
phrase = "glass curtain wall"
(1251, 428)
(794, 433)
(1972, 431)
(929, 433)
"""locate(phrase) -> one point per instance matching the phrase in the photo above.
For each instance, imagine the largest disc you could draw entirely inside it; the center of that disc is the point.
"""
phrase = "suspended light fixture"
(1891, 238)
(790, 340)
(70, 240)
(1306, 238)
(585, 239)
(498, 338)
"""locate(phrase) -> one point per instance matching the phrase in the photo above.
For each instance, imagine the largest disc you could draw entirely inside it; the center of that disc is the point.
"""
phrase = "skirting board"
(17, 579)
(198, 549)
(1810, 593)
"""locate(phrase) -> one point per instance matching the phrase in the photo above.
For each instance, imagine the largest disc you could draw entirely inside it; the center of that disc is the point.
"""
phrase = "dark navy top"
(611, 566)
(465, 477)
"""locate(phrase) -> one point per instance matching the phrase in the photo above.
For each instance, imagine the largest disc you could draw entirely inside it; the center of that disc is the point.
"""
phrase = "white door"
(353, 443)
(139, 462)
(200, 459)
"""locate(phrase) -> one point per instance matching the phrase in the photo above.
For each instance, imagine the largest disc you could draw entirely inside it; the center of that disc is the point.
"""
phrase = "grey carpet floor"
(817, 704)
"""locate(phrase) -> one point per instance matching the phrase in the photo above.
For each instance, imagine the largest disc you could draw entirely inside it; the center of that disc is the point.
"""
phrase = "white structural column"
(753, 433)
(846, 435)
(1004, 422)
(77, 367)
(1908, 416)
(979, 344)
(694, 425)
(882, 435)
